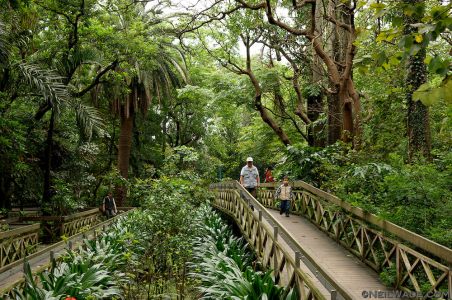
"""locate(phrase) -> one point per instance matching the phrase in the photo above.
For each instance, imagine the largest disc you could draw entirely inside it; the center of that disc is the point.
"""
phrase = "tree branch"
(96, 80)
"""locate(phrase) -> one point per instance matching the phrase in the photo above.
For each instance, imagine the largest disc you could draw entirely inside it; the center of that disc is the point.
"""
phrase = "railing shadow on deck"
(418, 264)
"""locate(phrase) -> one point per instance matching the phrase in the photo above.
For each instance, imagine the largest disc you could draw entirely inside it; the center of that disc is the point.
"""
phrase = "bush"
(314, 165)
(222, 264)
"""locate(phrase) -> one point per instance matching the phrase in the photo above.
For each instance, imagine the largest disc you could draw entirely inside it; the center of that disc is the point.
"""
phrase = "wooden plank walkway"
(348, 271)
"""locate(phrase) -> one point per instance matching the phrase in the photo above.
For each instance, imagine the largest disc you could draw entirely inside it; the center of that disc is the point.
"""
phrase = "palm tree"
(37, 80)
(155, 78)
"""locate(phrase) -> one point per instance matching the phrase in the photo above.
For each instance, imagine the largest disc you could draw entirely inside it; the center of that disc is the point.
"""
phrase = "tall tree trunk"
(315, 102)
(315, 108)
(269, 120)
(266, 117)
(335, 49)
(124, 147)
(334, 118)
(344, 107)
(5, 190)
(418, 121)
(47, 192)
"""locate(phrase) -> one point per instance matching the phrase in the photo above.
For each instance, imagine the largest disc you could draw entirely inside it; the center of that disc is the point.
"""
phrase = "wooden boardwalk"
(12, 275)
(348, 271)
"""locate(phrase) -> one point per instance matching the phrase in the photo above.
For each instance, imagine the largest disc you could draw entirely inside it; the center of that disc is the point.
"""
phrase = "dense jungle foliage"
(353, 97)
(173, 247)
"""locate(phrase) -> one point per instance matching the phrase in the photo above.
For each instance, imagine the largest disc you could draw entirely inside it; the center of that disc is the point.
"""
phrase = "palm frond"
(46, 83)
(89, 120)
(77, 58)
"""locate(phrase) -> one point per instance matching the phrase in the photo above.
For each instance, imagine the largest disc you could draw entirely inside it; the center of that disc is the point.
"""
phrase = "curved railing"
(17, 243)
(44, 259)
(233, 199)
(419, 265)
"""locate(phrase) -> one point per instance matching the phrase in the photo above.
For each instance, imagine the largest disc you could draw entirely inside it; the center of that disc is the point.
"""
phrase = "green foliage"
(311, 164)
(431, 94)
(420, 195)
(389, 276)
(92, 272)
(416, 197)
(64, 201)
(223, 266)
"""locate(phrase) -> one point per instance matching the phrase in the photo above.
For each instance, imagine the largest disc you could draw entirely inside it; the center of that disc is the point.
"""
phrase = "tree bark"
(124, 147)
(418, 120)
(334, 119)
(47, 192)
(315, 102)
(269, 120)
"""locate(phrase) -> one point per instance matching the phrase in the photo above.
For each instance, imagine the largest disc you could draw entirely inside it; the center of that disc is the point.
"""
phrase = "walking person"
(249, 178)
(109, 206)
(285, 195)
(269, 175)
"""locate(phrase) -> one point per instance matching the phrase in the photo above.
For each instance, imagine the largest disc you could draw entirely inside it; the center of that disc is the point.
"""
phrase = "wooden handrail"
(261, 236)
(51, 248)
(326, 274)
(415, 239)
(19, 231)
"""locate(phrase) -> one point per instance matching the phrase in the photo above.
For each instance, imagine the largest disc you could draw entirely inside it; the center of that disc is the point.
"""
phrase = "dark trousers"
(252, 191)
(109, 213)
(285, 207)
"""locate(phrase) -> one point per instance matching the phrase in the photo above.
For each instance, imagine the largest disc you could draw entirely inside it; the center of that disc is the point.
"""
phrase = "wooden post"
(275, 255)
(398, 269)
(260, 247)
(297, 259)
(449, 281)
(25, 265)
(52, 258)
(363, 251)
(275, 233)
(69, 245)
(333, 294)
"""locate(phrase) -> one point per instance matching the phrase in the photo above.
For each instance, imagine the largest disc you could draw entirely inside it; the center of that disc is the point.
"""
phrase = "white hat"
(249, 158)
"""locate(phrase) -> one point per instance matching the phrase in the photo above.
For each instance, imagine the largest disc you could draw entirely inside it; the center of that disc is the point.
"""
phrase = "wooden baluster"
(275, 255)
(52, 258)
(449, 281)
(297, 259)
(398, 267)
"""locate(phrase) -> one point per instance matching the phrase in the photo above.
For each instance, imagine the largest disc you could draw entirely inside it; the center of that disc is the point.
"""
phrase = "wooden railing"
(416, 264)
(73, 224)
(17, 243)
(50, 255)
(56, 226)
(264, 240)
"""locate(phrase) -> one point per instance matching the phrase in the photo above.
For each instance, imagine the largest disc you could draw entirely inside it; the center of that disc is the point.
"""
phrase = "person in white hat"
(249, 177)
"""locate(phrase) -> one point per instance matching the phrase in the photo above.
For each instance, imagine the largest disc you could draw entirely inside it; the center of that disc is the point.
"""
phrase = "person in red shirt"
(268, 175)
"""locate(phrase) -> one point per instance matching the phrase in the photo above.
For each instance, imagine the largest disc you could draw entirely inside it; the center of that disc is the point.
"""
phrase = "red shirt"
(269, 176)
